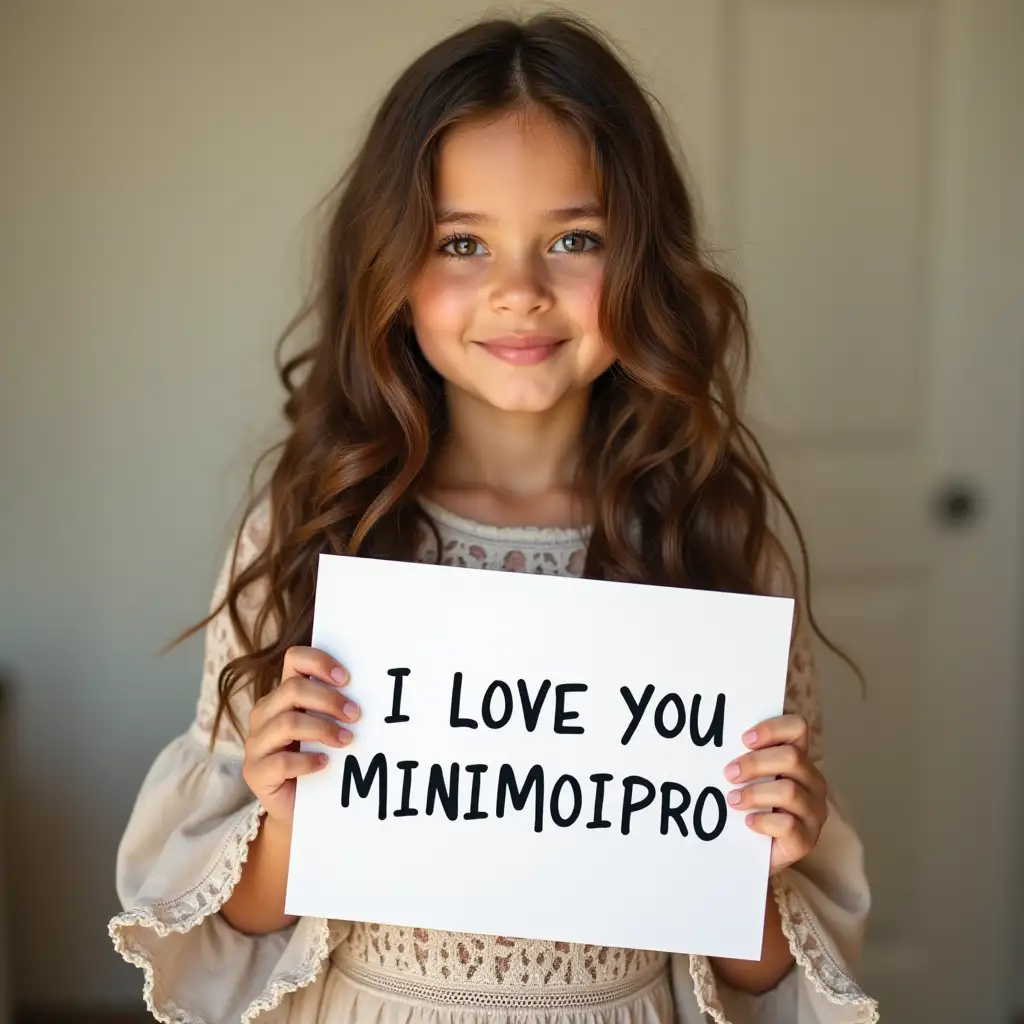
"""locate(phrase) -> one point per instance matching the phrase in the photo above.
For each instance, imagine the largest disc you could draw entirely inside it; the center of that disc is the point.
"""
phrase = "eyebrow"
(584, 212)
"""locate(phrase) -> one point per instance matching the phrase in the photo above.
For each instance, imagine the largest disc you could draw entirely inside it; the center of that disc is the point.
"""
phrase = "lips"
(523, 349)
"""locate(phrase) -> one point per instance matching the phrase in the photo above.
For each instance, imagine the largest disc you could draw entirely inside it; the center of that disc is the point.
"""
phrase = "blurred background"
(861, 168)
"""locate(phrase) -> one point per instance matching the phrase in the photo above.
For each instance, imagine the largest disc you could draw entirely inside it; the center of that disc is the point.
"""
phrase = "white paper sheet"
(499, 875)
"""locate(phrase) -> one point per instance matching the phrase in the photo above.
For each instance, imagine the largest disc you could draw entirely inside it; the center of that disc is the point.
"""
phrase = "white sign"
(539, 757)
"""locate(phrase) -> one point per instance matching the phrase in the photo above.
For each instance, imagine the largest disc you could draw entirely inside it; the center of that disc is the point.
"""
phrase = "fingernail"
(344, 735)
(733, 770)
(735, 796)
(350, 710)
(339, 675)
(750, 737)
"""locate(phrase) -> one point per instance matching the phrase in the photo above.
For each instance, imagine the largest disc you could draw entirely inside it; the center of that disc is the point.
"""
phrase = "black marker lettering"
(561, 715)
(363, 783)
(577, 801)
(474, 812)
(454, 720)
(398, 674)
(507, 786)
(636, 709)
(485, 712)
(598, 822)
(698, 814)
(659, 716)
(673, 812)
(716, 728)
(405, 811)
(531, 711)
(446, 793)
(629, 805)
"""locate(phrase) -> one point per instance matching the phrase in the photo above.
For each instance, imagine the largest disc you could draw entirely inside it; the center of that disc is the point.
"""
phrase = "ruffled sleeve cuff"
(823, 903)
(181, 857)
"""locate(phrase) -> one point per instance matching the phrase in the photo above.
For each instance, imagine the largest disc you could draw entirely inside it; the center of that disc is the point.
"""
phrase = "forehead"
(520, 160)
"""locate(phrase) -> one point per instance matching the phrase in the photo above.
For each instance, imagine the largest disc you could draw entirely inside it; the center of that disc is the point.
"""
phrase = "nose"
(521, 287)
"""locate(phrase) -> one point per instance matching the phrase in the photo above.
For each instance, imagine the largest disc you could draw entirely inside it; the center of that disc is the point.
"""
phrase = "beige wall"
(159, 161)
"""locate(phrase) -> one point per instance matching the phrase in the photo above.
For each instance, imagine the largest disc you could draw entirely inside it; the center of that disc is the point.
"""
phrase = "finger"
(781, 826)
(272, 772)
(780, 795)
(786, 729)
(296, 727)
(311, 661)
(786, 760)
(303, 694)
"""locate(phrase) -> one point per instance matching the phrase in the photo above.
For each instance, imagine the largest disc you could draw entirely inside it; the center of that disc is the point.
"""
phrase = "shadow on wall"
(36, 806)
(6, 775)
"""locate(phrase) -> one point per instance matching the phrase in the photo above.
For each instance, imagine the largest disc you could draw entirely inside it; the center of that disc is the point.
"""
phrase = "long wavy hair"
(664, 447)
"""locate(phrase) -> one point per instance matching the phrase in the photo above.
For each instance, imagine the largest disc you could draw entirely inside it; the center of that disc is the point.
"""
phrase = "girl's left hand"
(791, 808)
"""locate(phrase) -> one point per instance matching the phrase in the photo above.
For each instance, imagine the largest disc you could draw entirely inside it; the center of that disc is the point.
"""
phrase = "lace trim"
(705, 989)
(183, 913)
(811, 953)
(455, 960)
(305, 974)
(493, 999)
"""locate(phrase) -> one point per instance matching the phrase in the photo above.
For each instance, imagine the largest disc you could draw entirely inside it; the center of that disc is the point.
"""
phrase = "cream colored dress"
(186, 842)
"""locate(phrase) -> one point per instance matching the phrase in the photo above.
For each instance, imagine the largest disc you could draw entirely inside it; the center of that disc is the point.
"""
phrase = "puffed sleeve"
(182, 854)
(823, 901)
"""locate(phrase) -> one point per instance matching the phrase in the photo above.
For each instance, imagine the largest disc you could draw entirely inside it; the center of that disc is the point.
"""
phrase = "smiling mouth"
(523, 350)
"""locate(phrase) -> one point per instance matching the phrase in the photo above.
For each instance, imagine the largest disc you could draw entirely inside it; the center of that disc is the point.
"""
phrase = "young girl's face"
(506, 307)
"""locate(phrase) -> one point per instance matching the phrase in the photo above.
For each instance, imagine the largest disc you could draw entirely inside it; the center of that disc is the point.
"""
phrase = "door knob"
(957, 505)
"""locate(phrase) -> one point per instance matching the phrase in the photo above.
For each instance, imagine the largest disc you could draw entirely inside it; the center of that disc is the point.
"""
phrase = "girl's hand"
(310, 681)
(791, 808)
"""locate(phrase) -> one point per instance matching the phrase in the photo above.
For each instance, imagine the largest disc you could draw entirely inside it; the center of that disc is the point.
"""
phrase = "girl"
(522, 363)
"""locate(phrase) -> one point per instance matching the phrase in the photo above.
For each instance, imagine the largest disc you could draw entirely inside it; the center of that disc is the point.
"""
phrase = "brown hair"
(664, 447)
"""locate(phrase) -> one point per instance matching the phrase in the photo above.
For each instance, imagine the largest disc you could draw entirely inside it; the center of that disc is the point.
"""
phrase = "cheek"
(579, 294)
(442, 305)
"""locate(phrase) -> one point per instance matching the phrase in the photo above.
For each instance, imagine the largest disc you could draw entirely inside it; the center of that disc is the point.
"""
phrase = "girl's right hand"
(310, 681)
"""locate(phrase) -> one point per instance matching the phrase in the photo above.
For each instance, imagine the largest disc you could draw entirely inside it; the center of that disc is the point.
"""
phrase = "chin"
(525, 398)
(519, 403)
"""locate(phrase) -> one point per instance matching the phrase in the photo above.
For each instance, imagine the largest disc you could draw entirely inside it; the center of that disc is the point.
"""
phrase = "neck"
(519, 454)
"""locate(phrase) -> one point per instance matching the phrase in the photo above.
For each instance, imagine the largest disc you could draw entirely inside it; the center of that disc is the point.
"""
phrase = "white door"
(859, 158)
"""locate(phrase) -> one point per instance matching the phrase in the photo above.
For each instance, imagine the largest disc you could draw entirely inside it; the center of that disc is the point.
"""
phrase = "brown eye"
(577, 242)
(460, 245)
